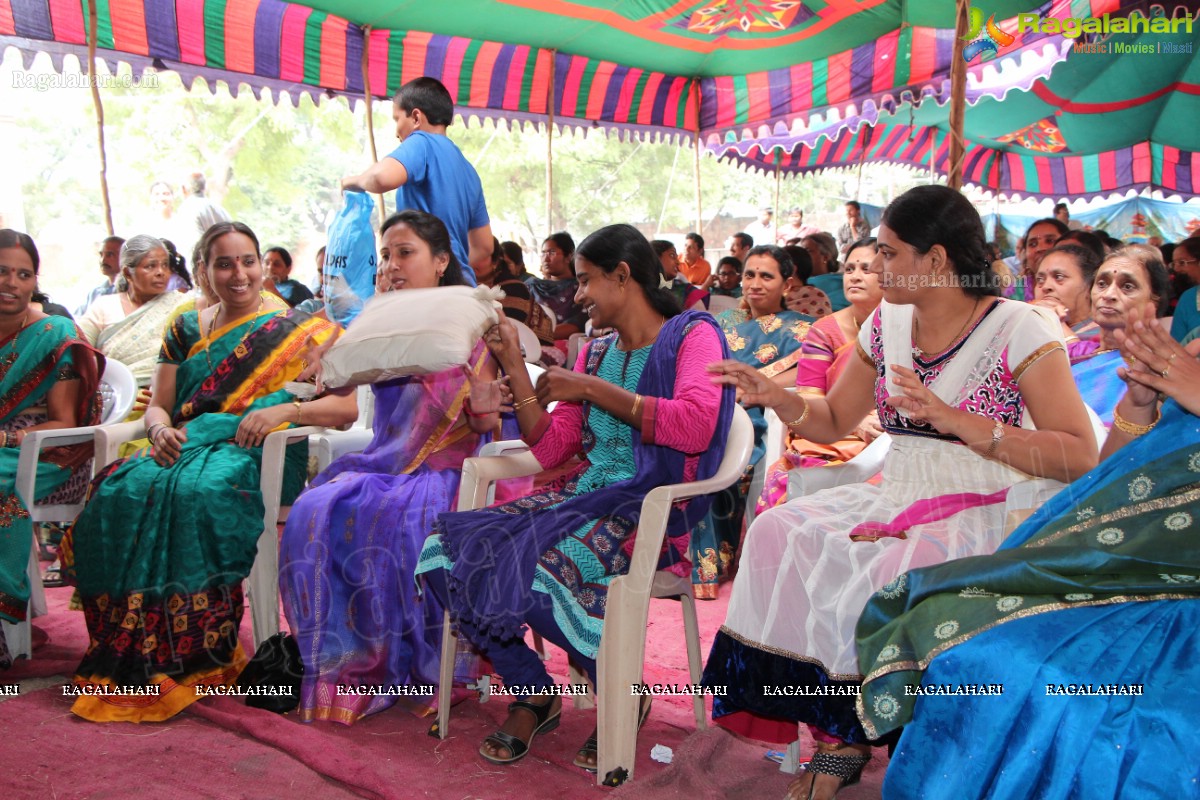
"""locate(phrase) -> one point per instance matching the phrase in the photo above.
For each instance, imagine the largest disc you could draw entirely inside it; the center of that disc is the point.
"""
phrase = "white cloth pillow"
(411, 332)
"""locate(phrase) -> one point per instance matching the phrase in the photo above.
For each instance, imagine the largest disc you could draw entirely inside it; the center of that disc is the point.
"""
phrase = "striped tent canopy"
(1118, 115)
(727, 69)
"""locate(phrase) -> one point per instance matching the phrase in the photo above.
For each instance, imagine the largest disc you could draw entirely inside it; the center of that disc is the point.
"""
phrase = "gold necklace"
(648, 341)
(241, 349)
(918, 352)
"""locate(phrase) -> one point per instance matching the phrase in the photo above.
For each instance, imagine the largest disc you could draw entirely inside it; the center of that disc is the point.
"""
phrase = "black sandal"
(588, 757)
(518, 748)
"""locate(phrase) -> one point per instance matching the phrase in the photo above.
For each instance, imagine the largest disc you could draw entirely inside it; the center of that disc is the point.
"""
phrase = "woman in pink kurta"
(641, 411)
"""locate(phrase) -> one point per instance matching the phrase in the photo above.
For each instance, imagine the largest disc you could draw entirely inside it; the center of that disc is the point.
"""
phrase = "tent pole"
(778, 173)
(699, 200)
(550, 147)
(958, 89)
(91, 71)
(366, 76)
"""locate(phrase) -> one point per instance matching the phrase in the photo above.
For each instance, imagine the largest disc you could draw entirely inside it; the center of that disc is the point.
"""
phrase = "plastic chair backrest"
(531, 345)
(118, 390)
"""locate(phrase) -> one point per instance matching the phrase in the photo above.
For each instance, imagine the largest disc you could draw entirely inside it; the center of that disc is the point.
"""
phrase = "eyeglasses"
(1183, 262)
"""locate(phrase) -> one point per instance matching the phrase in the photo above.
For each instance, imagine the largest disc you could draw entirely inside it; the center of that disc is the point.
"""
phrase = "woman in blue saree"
(48, 380)
(351, 542)
(1087, 618)
(768, 337)
(160, 550)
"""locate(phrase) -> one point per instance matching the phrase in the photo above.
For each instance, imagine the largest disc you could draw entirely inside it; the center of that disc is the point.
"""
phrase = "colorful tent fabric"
(829, 82)
(1105, 121)
(655, 65)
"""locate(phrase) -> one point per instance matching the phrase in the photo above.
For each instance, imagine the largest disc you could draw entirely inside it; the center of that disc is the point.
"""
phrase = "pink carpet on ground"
(220, 748)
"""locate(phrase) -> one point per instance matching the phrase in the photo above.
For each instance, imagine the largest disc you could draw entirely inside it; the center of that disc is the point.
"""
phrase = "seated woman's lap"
(1083, 747)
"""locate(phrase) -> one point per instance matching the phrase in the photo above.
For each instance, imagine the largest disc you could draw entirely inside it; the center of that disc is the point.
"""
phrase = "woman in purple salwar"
(352, 539)
(641, 411)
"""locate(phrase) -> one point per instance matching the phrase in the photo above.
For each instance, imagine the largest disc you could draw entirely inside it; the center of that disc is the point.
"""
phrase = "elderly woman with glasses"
(129, 324)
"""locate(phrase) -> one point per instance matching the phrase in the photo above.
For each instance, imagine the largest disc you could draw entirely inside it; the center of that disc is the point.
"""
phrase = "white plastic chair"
(118, 389)
(623, 644)
(531, 345)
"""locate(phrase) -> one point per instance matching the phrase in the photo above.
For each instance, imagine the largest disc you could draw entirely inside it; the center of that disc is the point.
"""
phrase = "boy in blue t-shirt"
(430, 173)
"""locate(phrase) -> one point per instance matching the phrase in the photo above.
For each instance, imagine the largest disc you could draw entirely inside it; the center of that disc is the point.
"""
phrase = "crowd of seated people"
(977, 391)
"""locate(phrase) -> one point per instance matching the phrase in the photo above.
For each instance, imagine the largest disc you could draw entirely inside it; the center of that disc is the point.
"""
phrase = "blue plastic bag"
(350, 259)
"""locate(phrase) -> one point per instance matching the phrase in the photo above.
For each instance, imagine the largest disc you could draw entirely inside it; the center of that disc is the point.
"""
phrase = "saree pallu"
(824, 356)
(159, 553)
(518, 304)
(135, 340)
(1099, 384)
(1092, 603)
(350, 549)
(772, 345)
(31, 362)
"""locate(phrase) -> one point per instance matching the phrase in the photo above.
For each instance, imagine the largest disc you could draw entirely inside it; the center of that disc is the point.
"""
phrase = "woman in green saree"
(48, 380)
(160, 550)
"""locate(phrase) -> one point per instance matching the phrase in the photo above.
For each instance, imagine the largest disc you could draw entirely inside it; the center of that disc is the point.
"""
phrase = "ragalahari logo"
(981, 38)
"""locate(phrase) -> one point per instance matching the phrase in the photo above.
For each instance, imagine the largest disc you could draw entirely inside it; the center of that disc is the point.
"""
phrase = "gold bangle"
(1132, 428)
(803, 416)
(522, 403)
(637, 406)
(299, 413)
(997, 435)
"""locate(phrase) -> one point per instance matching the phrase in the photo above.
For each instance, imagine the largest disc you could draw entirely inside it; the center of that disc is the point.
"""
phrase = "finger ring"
(1165, 370)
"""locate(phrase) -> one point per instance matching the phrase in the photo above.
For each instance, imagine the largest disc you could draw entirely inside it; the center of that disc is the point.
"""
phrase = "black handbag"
(272, 678)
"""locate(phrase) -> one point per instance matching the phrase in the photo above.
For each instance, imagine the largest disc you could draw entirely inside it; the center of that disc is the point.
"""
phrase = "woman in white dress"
(977, 394)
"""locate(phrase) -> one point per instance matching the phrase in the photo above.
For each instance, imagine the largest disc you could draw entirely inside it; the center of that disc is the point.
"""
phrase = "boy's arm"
(382, 176)
(479, 247)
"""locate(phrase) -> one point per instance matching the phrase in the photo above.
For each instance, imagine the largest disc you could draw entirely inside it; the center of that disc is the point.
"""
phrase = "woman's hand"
(504, 343)
(1060, 310)
(487, 397)
(168, 444)
(919, 401)
(311, 358)
(752, 388)
(559, 384)
(255, 426)
(1157, 363)
(869, 429)
(142, 401)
